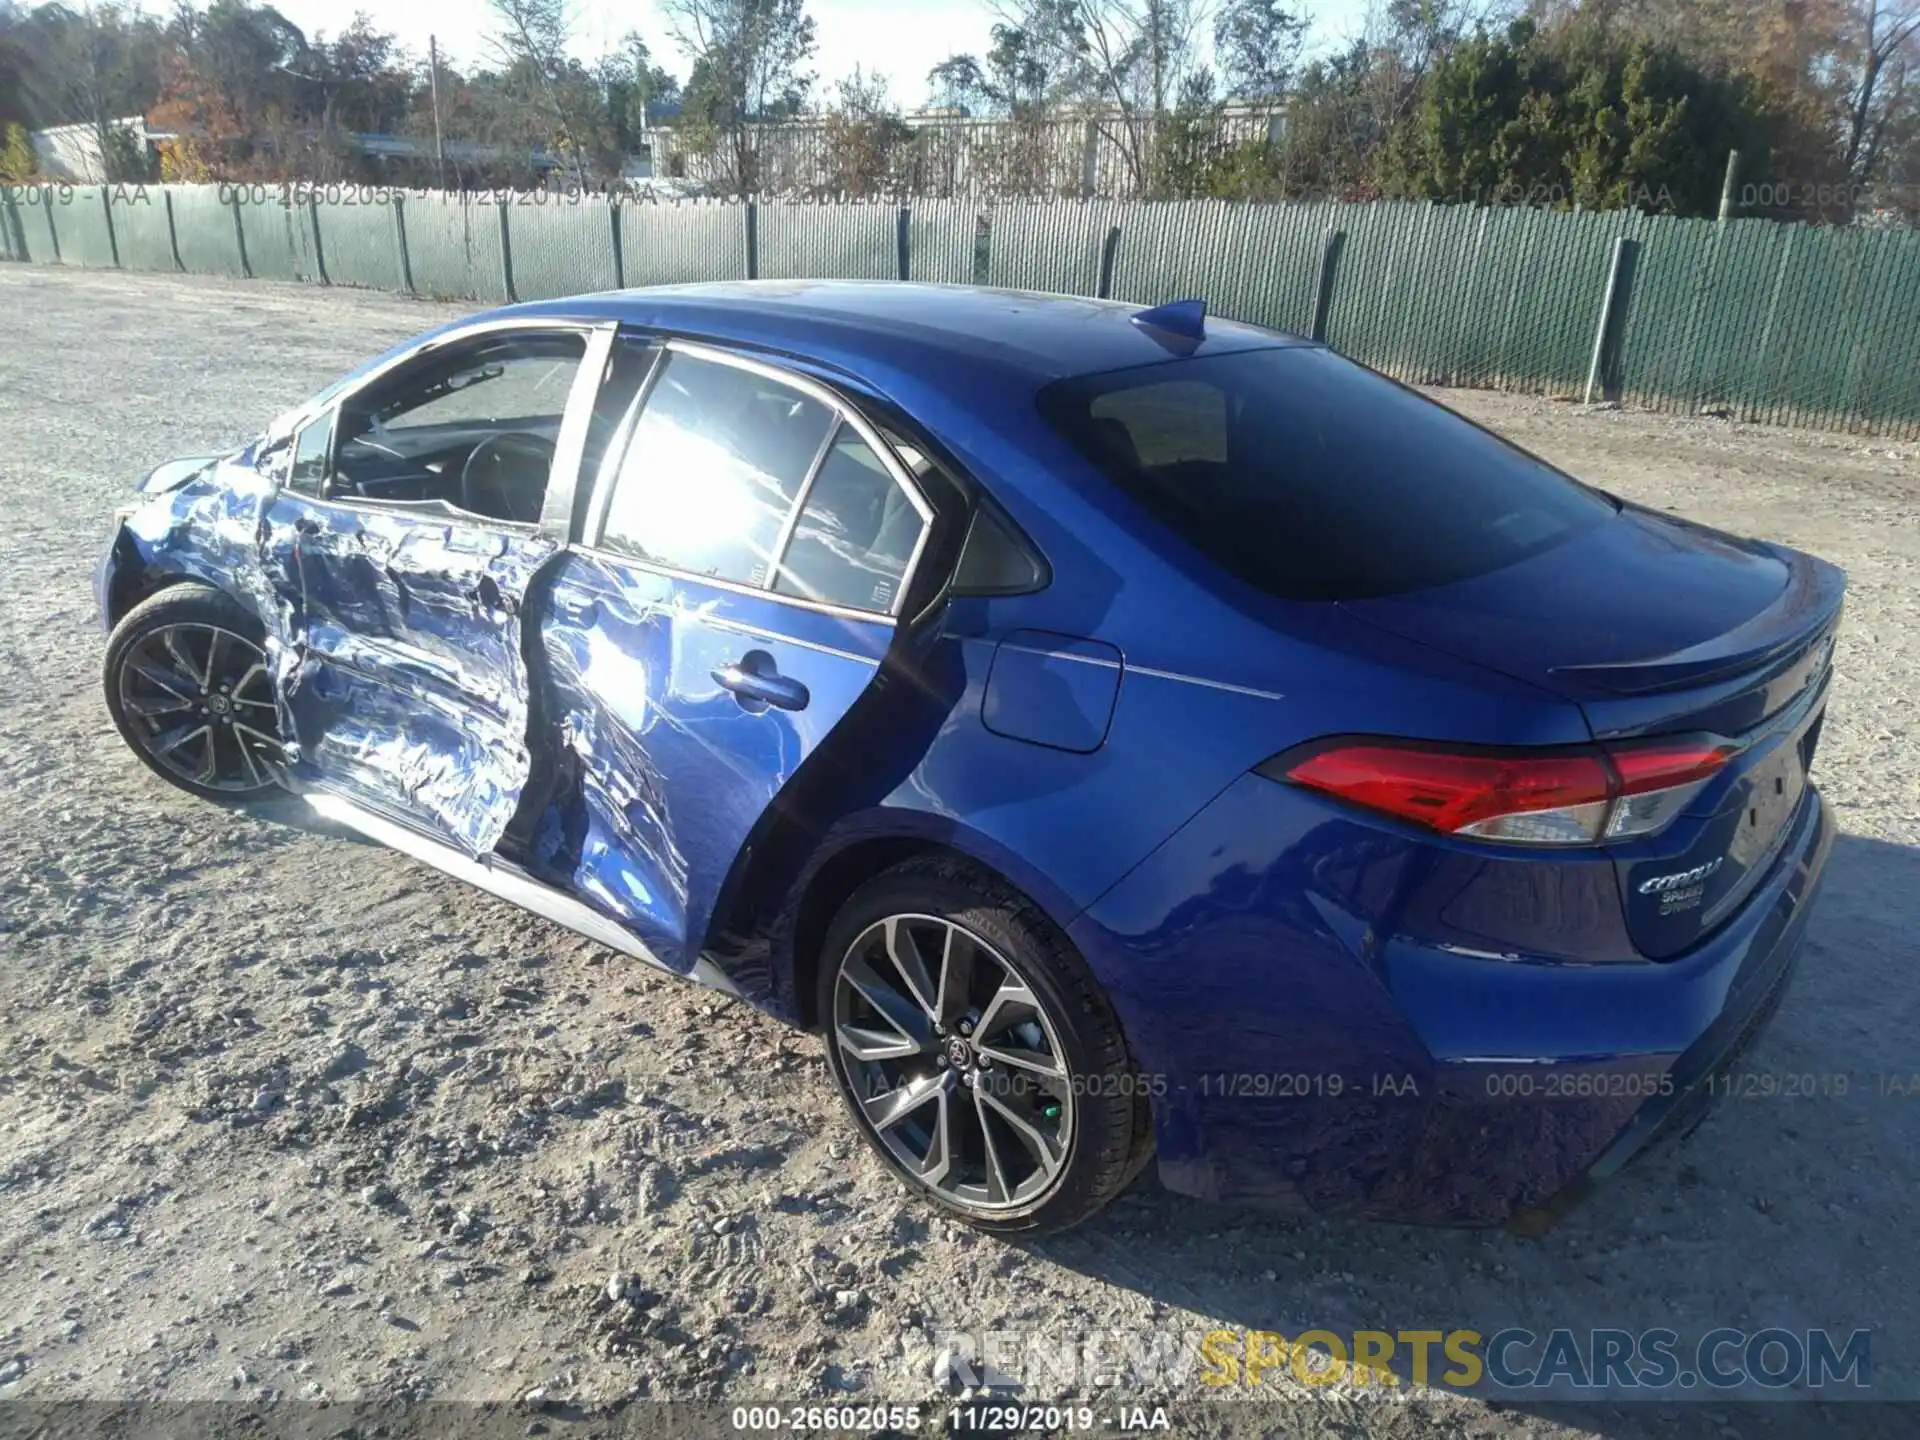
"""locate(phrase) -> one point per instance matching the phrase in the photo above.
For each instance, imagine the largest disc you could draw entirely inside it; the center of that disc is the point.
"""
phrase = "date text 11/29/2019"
(965, 1417)
(1012, 1417)
(1304, 1085)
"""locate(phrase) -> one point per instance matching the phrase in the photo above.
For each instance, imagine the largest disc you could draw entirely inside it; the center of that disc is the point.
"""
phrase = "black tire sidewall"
(1102, 1153)
(184, 603)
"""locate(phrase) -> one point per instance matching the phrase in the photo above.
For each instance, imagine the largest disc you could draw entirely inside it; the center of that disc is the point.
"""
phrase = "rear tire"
(188, 687)
(975, 1052)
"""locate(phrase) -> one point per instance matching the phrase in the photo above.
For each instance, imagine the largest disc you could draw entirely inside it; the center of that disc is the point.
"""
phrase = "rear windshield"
(1314, 479)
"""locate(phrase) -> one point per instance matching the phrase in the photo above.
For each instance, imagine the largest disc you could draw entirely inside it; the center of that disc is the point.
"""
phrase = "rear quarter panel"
(1066, 825)
(1213, 679)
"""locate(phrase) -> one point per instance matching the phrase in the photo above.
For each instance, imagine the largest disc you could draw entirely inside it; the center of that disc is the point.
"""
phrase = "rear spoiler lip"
(1808, 607)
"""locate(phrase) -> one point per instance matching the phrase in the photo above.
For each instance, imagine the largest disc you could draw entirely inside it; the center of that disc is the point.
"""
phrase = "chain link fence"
(1781, 323)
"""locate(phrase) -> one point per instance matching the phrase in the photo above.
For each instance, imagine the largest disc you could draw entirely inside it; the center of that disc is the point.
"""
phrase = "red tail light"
(1656, 780)
(1558, 797)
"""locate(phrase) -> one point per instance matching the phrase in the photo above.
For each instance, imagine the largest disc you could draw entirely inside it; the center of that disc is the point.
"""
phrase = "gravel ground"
(287, 1116)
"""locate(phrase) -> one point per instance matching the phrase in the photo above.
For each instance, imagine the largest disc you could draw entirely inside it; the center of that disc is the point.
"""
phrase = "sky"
(901, 39)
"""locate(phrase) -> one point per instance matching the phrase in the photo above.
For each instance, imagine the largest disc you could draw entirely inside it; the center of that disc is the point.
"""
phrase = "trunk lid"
(1656, 626)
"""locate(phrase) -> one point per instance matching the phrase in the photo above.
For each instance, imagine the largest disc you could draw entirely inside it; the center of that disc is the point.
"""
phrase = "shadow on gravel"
(1672, 1242)
(294, 813)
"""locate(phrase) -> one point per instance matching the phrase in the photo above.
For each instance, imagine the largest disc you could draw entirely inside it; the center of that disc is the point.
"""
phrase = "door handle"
(769, 688)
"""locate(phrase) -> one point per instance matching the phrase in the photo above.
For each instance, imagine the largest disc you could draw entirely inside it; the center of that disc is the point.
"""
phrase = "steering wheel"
(505, 476)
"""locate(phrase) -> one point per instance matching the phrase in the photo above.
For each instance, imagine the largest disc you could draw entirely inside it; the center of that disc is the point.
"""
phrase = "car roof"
(918, 331)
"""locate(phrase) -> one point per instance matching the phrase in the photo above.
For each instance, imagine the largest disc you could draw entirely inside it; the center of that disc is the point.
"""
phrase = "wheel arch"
(854, 854)
(131, 574)
(822, 897)
(133, 587)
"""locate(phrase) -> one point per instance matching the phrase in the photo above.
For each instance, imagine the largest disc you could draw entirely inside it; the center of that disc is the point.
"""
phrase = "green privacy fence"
(1784, 323)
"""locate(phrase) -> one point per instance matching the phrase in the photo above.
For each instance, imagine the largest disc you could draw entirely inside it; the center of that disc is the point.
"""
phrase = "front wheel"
(188, 686)
(975, 1052)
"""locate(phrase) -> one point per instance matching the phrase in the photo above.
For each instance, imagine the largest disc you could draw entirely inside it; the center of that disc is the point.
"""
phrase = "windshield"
(1315, 479)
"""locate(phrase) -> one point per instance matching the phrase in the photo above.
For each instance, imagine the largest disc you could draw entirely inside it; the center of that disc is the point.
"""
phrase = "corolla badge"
(1681, 879)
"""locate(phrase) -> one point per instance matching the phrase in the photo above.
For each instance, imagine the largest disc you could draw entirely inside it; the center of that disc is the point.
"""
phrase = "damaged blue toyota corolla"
(1125, 735)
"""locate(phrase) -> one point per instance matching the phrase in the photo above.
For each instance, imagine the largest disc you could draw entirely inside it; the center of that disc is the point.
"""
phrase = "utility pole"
(643, 141)
(433, 86)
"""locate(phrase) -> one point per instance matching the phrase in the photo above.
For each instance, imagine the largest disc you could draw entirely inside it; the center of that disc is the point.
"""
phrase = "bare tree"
(1124, 63)
(94, 64)
(749, 65)
(1409, 37)
(15, 108)
(1035, 61)
(1882, 52)
(532, 48)
(1256, 44)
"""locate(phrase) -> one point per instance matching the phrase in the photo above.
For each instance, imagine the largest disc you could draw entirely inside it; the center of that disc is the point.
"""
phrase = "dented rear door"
(665, 771)
(732, 599)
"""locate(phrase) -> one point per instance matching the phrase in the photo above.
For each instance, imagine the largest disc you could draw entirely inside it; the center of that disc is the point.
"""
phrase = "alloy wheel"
(201, 703)
(954, 1063)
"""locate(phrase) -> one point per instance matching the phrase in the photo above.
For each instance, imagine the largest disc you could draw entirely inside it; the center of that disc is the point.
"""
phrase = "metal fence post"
(1109, 252)
(903, 241)
(1726, 185)
(982, 247)
(10, 223)
(506, 253)
(752, 223)
(113, 239)
(53, 231)
(1330, 246)
(292, 241)
(173, 231)
(240, 234)
(1612, 308)
(319, 250)
(619, 255)
(400, 255)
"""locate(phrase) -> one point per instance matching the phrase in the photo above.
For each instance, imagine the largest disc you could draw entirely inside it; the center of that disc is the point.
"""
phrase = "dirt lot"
(286, 1115)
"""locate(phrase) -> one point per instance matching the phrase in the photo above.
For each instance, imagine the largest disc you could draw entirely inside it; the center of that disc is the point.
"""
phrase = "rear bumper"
(1770, 962)
(1299, 1062)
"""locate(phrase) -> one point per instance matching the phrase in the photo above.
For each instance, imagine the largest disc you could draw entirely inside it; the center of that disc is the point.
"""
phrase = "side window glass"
(717, 459)
(473, 426)
(856, 533)
(506, 382)
(310, 447)
(627, 370)
(994, 561)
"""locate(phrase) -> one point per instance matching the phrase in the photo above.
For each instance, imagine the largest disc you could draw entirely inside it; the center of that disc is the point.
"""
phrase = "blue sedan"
(1128, 736)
